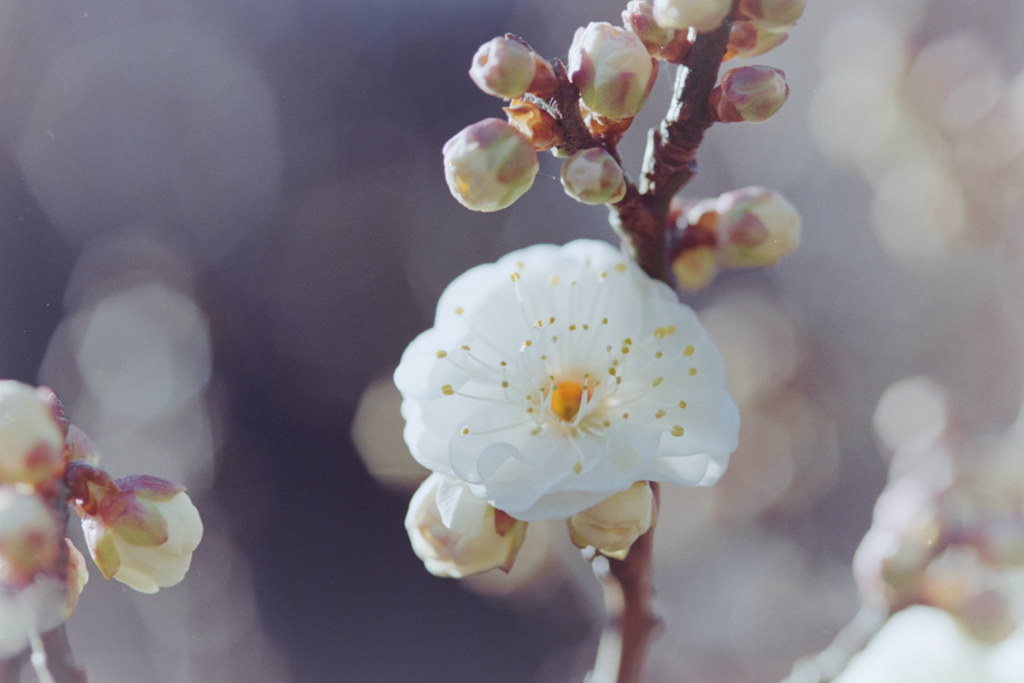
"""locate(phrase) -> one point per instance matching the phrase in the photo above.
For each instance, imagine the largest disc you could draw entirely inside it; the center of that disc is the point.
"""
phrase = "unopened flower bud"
(77, 577)
(30, 538)
(905, 536)
(703, 15)
(694, 256)
(31, 440)
(545, 82)
(592, 176)
(78, 446)
(612, 70)
(749, 93)
(503, 67)
(489, 165)
(774, 15)
(747, 40)
(614, 524)
(143, 533)
(535, 124)
(1001, 539)
(457, 534)
(986, 615)
(638, 17)
(756, 227)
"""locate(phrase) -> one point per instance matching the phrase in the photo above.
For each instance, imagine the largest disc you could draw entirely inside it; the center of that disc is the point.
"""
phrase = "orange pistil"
(566, 398)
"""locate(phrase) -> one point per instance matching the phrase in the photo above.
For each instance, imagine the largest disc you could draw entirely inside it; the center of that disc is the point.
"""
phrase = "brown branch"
(641, 218)
(631, 622)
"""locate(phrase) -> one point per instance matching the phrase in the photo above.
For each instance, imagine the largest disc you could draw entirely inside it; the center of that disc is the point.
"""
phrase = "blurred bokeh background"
(221, 222)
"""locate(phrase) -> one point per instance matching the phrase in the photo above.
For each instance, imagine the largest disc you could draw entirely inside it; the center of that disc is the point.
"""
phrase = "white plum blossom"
(559, 376)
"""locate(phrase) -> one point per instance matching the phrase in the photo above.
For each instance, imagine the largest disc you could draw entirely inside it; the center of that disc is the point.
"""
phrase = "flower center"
(567, 396)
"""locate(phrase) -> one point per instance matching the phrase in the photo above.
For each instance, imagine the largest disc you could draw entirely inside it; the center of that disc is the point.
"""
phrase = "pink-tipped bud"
(756, 227)
(749, 93)
(774, 15)
(694, 256)
(143, 533)
(614, 524)
(592, 176)
(30, 538)
(31, 439)
(503, 67)
(545, 82)
(489, 165)
(638, 17)
(612, 70)
(457, 534)
(906, 534)
(702, 15)
(747, 40)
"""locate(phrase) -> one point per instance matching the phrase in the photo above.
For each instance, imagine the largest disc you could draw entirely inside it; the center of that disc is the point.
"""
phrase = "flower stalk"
(641, 221)
(630, 621)
(670, 160)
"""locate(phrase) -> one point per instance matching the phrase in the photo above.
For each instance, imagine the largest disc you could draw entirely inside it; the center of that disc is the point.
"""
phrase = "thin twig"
(830, 662)
(628, 591)
(670, 160)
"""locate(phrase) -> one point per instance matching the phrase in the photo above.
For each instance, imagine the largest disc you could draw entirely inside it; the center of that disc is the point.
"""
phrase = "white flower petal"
(558, 376)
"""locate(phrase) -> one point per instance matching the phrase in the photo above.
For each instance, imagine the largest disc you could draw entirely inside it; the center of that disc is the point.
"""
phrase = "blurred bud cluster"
(935, 128)
(140, 530)
(948, 530)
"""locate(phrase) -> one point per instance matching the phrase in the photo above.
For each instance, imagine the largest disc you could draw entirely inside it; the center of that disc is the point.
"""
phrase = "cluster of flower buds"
(946, 549)
(140, 530)
(946, 532)
(761, 25)
(456, 534)
(745, 228)
(579, 110)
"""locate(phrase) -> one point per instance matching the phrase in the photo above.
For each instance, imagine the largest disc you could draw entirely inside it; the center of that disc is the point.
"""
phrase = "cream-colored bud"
(31, 440)
(144, 533)
(756, 227)
(592, 176)
(747, 40)
(457, 534)
(749, 93)
(638, 17)
(30, 538)
(489, 165)
(702, 15)
(614, 524)
(503, 67)
(612, 70)
(774, 15)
